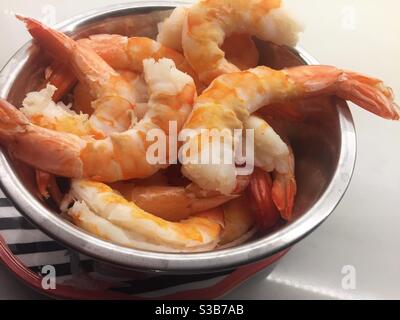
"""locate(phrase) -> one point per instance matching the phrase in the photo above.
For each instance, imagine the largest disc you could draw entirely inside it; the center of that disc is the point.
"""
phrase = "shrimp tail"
(48, 187)
(284, 189)
(58, 153)
(42, 182)
(88, 67)
(56, 43)
(12, 121)
(263, 205)
(283, 193)
(368, 93)
(60, 76)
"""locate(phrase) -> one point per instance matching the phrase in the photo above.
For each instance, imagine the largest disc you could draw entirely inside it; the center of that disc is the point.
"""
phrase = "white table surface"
(364, 230)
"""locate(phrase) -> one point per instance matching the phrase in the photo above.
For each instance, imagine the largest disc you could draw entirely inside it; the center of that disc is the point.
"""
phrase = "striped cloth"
(33, 249)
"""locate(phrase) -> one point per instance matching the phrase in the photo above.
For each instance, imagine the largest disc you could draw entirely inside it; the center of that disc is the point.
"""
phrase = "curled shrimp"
(230, 99)
(175, 203)
(82, 99)
(114, 102)
(119, 156)
(208, 22)
(128, 53)
(43, 107)
(272, 154)
(101, 211)
(41, 110)
(240, 49)
(170, 30)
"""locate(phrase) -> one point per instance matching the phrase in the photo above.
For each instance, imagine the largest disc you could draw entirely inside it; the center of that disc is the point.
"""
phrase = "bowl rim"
(79, 240)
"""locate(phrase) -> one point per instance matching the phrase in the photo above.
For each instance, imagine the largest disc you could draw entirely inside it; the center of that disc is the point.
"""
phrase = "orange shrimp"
(119, 156)
(175, 203)
(240, 49)
(262, 200)
(231, 98)
(101, 211)
(208, 22)
(128, 53)
(114, 104)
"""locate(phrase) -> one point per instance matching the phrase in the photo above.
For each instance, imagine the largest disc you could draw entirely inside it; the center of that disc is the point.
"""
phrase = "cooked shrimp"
(119, 156)
(110, 216)
(239, 220)
(59, 75)
(40, 108)
(128, 53)
(175, 203)
(170, 30)
(239, 49)
(83, 99)
(44, 112)
(231, 98)
(208, 22)
(262, 203)
(270, 151)
(273, 155)
(114, 100)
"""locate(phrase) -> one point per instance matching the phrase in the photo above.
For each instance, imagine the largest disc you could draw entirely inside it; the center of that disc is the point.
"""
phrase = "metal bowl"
(324, 143)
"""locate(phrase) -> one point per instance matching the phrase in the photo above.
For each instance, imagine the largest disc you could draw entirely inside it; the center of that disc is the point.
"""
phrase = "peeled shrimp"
(114, 100)
(208, 22)
(170, 30)
(128, 53)
(240, 49)
(230, 99)
(41, 110)
(175, 203)
(120, 156)
(83, 99)
(272, 154)
(99, 210)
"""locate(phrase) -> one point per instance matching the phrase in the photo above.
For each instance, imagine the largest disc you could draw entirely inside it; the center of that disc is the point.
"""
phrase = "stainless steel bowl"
(324, 143)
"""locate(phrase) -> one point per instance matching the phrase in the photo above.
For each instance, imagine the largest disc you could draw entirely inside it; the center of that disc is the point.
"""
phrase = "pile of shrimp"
(201, 72)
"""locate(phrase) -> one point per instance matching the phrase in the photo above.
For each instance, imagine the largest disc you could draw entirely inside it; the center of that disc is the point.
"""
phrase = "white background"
(364, 230)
